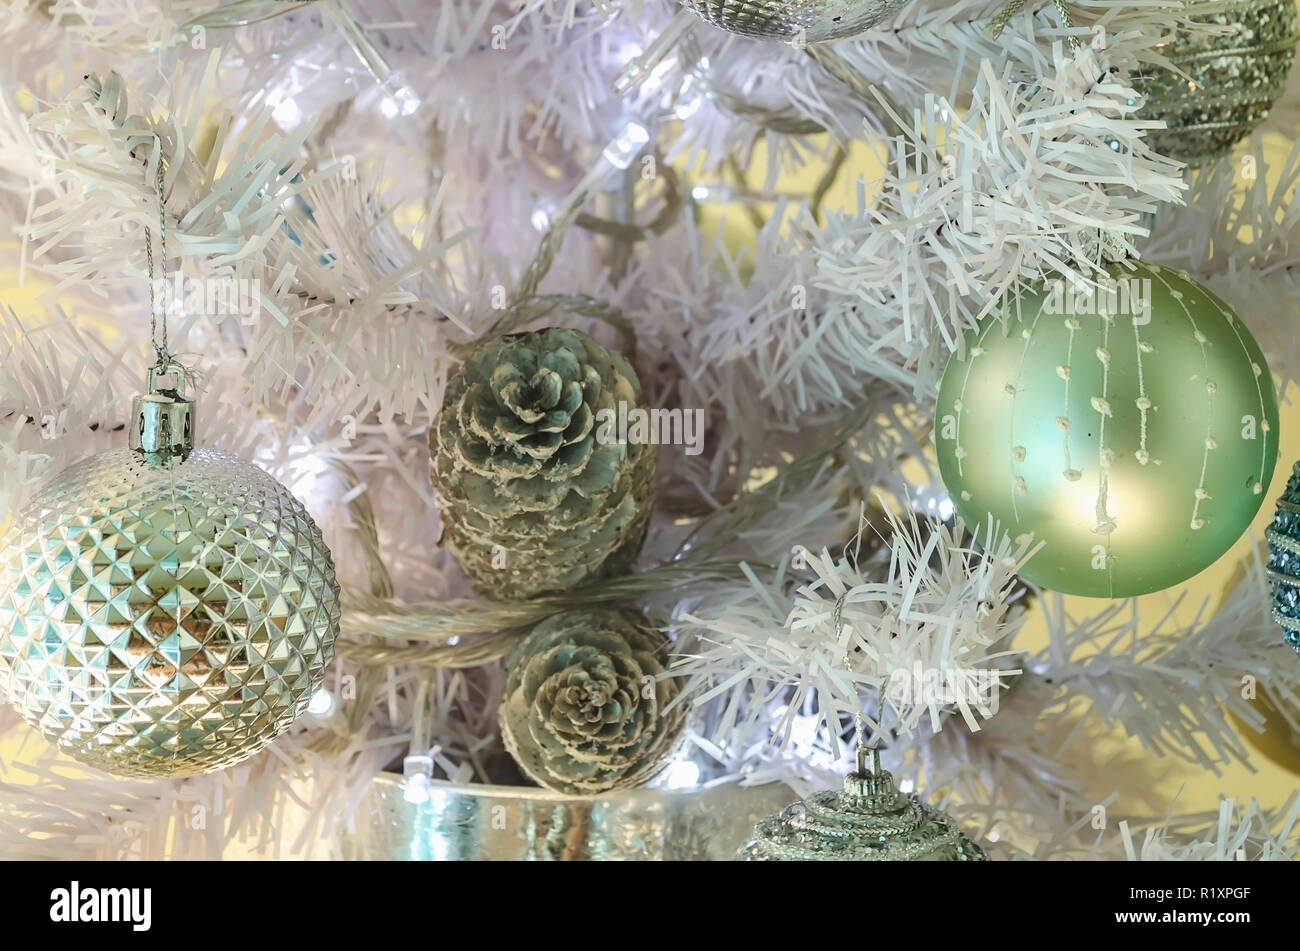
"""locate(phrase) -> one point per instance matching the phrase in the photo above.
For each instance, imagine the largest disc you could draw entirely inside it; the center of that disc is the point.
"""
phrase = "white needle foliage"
(383, 173)
(1239, 233)
(941, 605)
(1236, 833)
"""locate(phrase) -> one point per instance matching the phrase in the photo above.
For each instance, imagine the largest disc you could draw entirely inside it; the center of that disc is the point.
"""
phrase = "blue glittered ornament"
(1284, 560)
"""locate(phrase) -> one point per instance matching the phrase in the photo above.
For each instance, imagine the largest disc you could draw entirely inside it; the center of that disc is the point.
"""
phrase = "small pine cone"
(583, 711)
(530, 502)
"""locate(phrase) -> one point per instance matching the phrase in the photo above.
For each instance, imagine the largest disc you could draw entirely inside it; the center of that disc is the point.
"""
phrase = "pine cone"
(530, 502)
(576, 716)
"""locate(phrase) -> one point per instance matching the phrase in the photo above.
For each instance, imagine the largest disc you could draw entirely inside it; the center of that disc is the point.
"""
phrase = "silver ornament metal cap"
(163, 427)
(869, 789)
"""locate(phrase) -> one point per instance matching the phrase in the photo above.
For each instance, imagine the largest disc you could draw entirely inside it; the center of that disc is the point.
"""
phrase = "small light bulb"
(682, 775)
(625, 148)
(286, 112)
(416, 789)
(627, 50)
(417, 764)
(321, 703)
(658, 74)
(687, 106)
(689, 99)
(417, 770)
(399, 101)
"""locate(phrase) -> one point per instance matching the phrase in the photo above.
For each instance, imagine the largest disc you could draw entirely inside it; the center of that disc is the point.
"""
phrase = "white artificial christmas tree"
(381, 185)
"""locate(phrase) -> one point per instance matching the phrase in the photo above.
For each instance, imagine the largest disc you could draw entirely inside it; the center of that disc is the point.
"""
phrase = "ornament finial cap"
(163, 428)
(870, 789)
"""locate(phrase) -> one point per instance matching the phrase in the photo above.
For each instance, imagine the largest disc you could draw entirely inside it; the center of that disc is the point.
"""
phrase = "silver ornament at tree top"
(164, 610)
(868, 821)
(1223, 85)
(812, 21)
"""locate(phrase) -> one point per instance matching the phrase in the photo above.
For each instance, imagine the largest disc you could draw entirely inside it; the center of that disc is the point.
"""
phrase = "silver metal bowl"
(510, 823)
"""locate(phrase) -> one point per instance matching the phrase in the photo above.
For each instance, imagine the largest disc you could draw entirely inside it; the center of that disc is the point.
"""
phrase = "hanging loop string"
(1003, 18)
(859, 719)
(162, 354)
(1015, 6)
(1063, 11)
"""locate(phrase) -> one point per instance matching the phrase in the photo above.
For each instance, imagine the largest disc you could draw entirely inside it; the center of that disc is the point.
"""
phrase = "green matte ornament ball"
(1130, 425)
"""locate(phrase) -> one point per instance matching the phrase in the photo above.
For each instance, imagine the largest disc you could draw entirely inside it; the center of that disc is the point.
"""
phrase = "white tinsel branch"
(941, 606)
(1033, 181)
(1239, 233)
(1171, 686)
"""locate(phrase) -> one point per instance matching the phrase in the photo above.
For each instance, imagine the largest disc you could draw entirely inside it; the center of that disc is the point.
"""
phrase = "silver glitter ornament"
(812, 21)
(868, 821)
(1284, 560)
(1227, 84)
(164, 610)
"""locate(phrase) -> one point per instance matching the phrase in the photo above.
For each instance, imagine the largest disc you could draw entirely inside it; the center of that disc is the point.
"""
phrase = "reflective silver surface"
(504, 823)
(810, 20)
(161, 620)
(164, 419)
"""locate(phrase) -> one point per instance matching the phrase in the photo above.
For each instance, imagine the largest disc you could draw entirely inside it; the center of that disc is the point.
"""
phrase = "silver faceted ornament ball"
(813, 21)
(164, 619)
